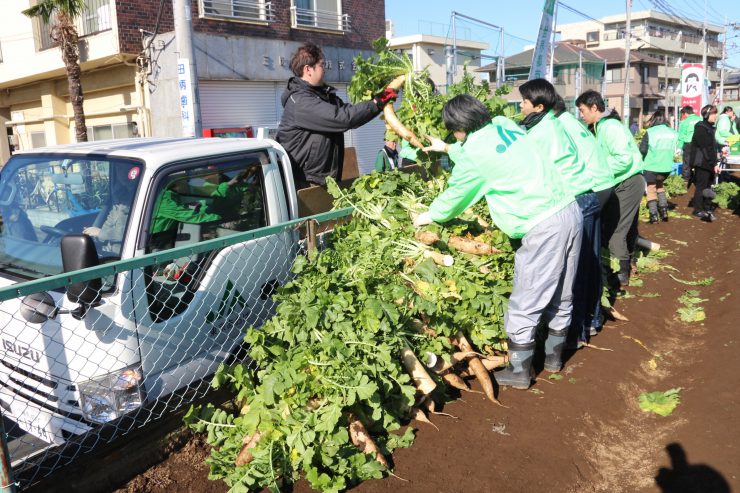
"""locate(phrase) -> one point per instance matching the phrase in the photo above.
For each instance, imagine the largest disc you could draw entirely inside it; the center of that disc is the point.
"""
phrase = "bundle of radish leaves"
(375, 331)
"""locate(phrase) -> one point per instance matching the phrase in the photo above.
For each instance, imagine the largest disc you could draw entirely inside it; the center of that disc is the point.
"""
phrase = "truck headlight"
(111, 396)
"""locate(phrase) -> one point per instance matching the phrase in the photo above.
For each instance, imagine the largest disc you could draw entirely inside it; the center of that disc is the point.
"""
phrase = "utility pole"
(724, 62)
(186, 69)
(704, 58)
(628, 37)
(579, 74)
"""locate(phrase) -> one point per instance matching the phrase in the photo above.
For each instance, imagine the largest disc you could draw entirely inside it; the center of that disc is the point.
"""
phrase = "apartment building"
(429, 51)
(129, 63)
(670, 41)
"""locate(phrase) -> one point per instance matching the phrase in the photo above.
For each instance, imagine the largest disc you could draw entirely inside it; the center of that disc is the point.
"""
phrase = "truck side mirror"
(79, 252)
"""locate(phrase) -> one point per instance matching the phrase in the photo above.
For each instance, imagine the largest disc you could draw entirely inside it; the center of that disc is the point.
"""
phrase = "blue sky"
(521, 18)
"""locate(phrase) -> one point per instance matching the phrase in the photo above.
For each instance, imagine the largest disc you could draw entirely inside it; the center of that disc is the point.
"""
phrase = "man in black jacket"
(315, 119)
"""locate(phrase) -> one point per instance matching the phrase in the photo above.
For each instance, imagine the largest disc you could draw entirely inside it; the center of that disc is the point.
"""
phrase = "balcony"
(237, 10)
(94, 19)
(325, 20)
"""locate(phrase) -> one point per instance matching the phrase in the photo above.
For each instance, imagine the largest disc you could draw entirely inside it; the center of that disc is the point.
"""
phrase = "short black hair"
(658, 118)
(559, 106)
(727, 109)
(687, 110)
(539, 91)
(708, 110)
(591, 98)
(307, 54)
(465, 113)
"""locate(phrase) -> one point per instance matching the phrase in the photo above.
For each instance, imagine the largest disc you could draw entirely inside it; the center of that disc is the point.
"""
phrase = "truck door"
(194, 311)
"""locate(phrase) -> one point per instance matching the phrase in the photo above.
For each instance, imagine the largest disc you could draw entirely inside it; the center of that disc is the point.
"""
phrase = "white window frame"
(323, 20)
(252, 11)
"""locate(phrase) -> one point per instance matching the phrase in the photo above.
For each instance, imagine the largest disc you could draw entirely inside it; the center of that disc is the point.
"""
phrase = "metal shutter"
(226, 104)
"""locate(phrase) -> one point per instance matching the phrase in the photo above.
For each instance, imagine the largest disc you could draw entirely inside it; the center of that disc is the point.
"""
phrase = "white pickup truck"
(77, 357)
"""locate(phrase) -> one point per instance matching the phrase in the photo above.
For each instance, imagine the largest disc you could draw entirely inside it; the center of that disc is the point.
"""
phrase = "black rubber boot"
(518, 374)
(663, 213)
(663, 206)
(652, 206)
(624, 273)
(554, 345)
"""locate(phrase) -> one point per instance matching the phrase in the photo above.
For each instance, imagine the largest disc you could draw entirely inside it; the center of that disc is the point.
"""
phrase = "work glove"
(422, 220)
(437, 145)
(389, 94)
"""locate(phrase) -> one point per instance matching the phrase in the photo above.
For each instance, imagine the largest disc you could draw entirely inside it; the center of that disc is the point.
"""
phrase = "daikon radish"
(245, 455)
(475, 365)
(363, 441)
(467, 245)
(421, 378)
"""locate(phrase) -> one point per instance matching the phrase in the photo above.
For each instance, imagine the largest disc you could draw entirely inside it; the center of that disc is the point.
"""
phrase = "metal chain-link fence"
(90, 355)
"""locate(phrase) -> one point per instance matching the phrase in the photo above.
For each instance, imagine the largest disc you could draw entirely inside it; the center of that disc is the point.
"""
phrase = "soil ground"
(586, 432)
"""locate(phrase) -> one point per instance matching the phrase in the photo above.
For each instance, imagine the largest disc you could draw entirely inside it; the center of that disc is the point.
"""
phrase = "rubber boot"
(652, 206)
(554, 345)
(663, 206)
(518, 374)
(624, 273)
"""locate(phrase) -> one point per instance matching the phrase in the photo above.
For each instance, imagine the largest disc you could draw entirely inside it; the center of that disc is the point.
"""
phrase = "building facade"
(669, 40)
(129, 60)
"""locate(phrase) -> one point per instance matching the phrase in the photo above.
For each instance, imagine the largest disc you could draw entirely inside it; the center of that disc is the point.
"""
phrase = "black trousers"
(686, 166)
(703, 179)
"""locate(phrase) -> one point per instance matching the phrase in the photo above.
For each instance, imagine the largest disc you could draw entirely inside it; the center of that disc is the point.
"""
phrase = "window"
(197, 204)
(592, 37)
(614, 75)
(96, 17)
(645, 74)
(38, 139)
(319, 14)
(114, 131)
(242, 10)
(42, 199)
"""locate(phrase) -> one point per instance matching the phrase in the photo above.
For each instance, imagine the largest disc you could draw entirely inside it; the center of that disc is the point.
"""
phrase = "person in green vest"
(388, 157)
(548, 134)
(725, 126)
(528, 200)
(685, 134)
(658, 146)
(618, 147)
(588, 322)
(170, 211)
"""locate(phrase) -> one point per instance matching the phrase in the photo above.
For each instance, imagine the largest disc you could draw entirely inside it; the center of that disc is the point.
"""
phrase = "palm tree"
(60, 16)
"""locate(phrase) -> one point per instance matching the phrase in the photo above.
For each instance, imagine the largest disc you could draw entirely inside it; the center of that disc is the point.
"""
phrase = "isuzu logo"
(22, 350)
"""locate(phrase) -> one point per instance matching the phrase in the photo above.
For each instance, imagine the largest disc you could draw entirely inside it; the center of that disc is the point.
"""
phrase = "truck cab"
(149, 331)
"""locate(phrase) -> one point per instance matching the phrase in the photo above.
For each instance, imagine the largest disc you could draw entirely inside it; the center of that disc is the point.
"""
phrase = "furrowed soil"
(585, 432)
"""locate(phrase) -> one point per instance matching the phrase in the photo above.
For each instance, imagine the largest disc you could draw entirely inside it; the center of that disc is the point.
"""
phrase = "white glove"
(422, 220)
(437, 145)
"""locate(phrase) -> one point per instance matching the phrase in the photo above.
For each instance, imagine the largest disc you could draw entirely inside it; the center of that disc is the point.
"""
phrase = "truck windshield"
(43, 198)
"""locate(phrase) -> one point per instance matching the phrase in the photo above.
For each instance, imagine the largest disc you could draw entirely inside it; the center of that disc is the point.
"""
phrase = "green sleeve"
(222, 190)
(171, 211)
(464, 188)
(723, 131)
(380, 161)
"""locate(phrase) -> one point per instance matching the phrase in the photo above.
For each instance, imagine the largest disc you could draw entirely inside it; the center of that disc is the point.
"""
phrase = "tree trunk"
(68, 43)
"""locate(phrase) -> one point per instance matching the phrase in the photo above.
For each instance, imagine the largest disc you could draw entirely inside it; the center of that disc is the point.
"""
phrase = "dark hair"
(658, 118)
(559, 106)
(687, 110)
(726, 109)
(465, 113)
(539, 91)
(708, 110)
(308, 54)
(591, 98)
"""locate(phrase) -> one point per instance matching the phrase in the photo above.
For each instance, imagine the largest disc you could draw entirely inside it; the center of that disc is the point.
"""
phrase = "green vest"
(686, 129)
(500, 162)
(553, 141)
(662, 142)
(619, 148)
(588, 149)
(725, 128)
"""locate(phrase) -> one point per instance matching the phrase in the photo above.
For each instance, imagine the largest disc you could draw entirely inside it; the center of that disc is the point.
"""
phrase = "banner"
(539, 54)
(692, 86)
(187, 116)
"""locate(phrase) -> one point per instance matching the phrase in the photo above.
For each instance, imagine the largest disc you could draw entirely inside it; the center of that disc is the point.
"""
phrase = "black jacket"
(704, 146)
(312, 129)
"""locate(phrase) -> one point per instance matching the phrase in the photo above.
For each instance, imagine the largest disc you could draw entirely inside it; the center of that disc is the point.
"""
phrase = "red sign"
(692, 85)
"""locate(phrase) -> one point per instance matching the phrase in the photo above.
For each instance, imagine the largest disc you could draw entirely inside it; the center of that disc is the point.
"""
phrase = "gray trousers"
(544, 270)
(619, 217)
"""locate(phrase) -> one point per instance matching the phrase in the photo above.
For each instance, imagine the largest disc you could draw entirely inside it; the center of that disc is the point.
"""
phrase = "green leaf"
(661, 403)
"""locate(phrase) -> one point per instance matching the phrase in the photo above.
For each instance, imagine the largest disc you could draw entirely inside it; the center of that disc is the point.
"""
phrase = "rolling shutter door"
(225, 104)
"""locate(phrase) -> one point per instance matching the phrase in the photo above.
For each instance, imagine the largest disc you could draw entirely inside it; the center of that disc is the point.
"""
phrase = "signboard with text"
(187, 115)
(692, 85)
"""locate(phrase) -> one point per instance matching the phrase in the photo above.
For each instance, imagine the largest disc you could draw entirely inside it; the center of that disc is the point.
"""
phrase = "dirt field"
(586, 432)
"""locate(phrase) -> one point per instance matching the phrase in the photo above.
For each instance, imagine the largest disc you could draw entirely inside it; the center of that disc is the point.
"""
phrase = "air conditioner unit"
(13, 140)
(388, 28)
